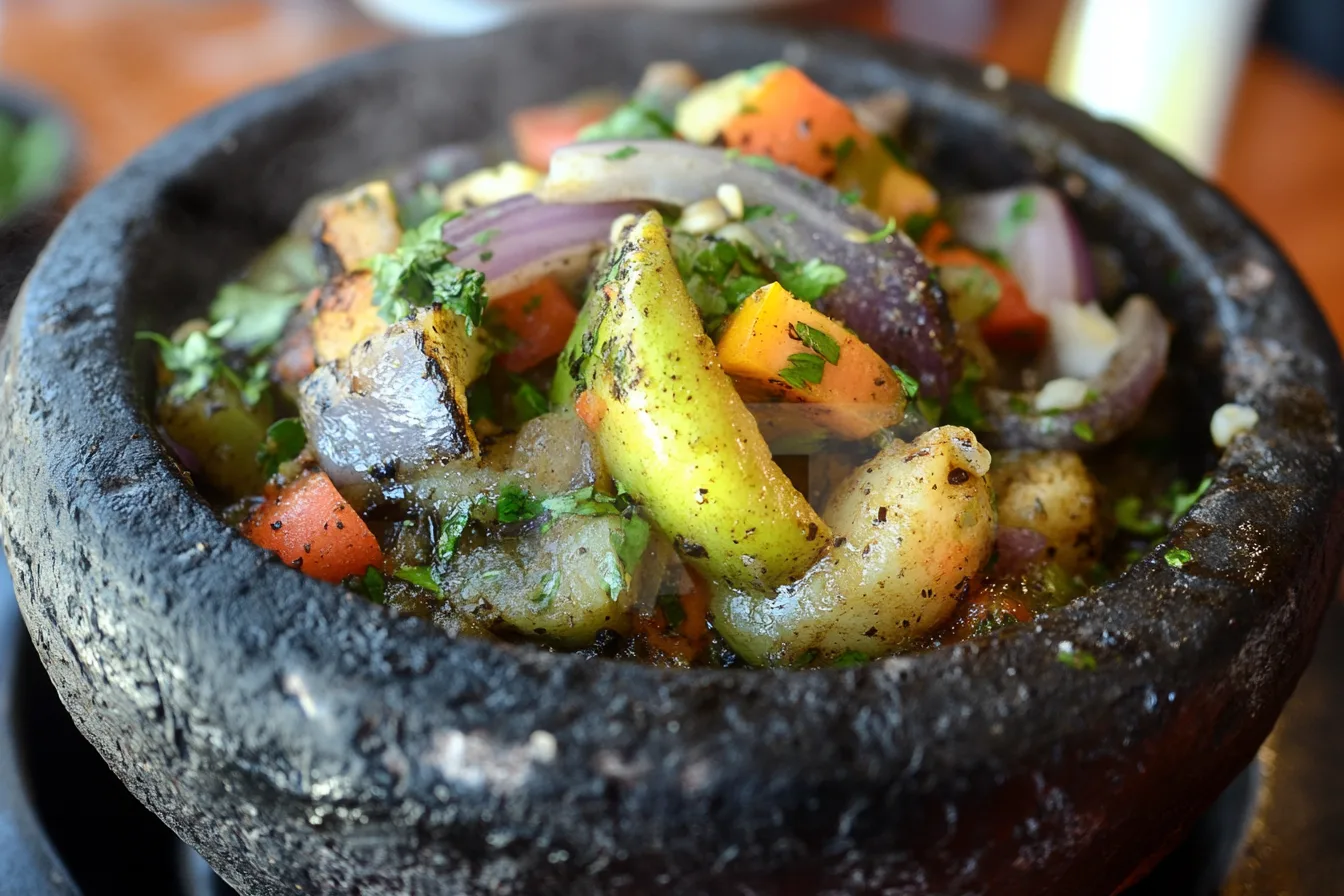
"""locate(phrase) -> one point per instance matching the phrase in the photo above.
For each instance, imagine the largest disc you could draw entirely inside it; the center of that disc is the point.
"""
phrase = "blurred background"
(1248, 92)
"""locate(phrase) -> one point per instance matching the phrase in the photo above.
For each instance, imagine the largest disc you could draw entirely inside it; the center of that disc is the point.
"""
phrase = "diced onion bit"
(730, 197)
(1063, 394)
(1230, 421)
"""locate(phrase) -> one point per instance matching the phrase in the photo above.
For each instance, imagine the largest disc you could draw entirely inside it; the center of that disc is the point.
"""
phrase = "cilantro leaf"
(917, 225)
(909, 383)
(529, 402)
(450, 531)
(818, 341)
(371, 585)
(803, 368)
(753, 212)
(420, 577)
(516, 504)
(550, 584)
(1182, 501)
(851, 197)
(765, 163)
(284, 441)
(809, 280)
(633, 120)
(418, 274)
(850, 659)
(1178, 557)
(882, 234)
(1083, 430)
(1076, 658)
(1130, 517)
(258, 315)
(627, 547)
(621, 154)
(844, 149)
(198, 360)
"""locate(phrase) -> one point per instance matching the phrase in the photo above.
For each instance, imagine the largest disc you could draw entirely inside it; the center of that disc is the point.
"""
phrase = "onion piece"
(1033, 229)
(1017, 548)
(887, 298)
(1121, 392)
(518, 241)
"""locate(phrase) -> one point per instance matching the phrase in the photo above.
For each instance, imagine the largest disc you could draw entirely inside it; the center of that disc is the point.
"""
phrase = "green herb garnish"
(917, 225)
(1083, 430)
(673, 611)
(1075, 658)
(1178, 557)
(450, 531)
(811, 279)
(516, 504)
(1182, 501)
(1130, 517)
(529, 402)
(258, 315)
(485, 236)
(752, 212)
(1020, 212)
(882, 234)
(418, 274)
(819, 342)
(850, 659)
(371, 585)
(844, 149)
(199, 360)
(765, 163)
(908, 383)
(850, 197)
(633, 120)
(803, 368)
(621, 154)
(420, 577)
(550, 583)
(284, 441)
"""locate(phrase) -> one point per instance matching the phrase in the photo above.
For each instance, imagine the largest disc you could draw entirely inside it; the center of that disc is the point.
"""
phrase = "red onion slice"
(1033, 229)
(519, 240)
(1017, 549)
(888, 298)
(1122, 391)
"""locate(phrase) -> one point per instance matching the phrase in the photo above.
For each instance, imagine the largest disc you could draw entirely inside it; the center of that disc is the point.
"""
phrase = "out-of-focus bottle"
(1167, 68)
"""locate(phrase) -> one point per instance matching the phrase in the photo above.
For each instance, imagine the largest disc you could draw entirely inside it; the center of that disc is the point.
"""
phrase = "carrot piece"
(540, 130)
(591, 408)
(683, 643)
(1012, 325)
(539, 317)
(793, 121)
(312, 528)
(758, 348)
(938, 236)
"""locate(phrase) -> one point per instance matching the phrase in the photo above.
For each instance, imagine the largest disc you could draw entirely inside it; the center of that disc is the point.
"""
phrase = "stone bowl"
(303, 739)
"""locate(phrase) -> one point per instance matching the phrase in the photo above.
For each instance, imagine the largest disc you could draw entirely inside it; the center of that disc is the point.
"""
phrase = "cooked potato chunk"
(1053, 493)
(355, 226)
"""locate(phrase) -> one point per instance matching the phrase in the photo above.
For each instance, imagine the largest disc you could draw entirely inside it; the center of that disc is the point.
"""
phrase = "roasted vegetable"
(313, 529)
(700, 117)
(539, 131)
(676, 434)
(912, 527)
(788, 118)
(400, 398)
(355, 226)
(490, 185)
(777, 348)
(532, 324)
(1051, 492)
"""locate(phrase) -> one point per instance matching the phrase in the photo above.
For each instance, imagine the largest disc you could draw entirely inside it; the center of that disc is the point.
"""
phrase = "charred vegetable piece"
(313, 529)
(701, 115)
(883, 184)
(400, 398)
(561, 586)
(778, 348)
(490, 185)
(344, 316)
(532, 323)
(674, 431)
(913, 526)
(791, 120)
(886, 295)
(223, 434)
(1051, 492)
(354, 227)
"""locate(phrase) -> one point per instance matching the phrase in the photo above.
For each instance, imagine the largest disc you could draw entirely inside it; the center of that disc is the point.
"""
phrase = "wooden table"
(131, 69)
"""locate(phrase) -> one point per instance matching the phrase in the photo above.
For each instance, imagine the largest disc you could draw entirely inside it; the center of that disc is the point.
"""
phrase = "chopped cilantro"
(631, 121)
(198, 360)
(485, 236)
(450, 531)
(962, 409)
(973, 292)
(258, 315)
(550, 583)
(371, 585)
(420, 577)
(850, 197)
(851, 658)
(1182, 501)
(1130, 516)
(890, 145)
(585, 502)
(765, 163)
(1178, 557)
(418, 274)
(621, 154)
(908, 383)
(480, 402)
(1020, 212)
(285, 438)
(1018, 405)
(516, 504)
(487, 255)
(803, 369)
(529, 402)
(844, 149)
(752, 212)
(809, 280)
(819, 342)
(1083, 430)
(805, 659)
(882, 234)
(789, 217)
(992, 621)
(1075, 658)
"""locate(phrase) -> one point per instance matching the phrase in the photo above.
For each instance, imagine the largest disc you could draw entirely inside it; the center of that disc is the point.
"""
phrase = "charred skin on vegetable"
(674, 425)
(354, 227)
(400, 398)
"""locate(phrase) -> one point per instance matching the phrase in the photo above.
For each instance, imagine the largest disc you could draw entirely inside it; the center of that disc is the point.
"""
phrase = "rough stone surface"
(302, 738)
